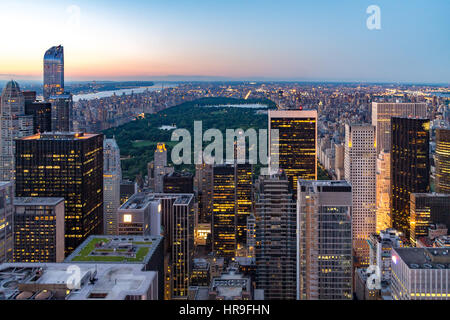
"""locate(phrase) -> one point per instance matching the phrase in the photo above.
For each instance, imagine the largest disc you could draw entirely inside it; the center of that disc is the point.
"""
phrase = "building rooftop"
(137, 201)
(60, 136)
(118, 249)
(54, 281)
(423, 258)
(37, 201)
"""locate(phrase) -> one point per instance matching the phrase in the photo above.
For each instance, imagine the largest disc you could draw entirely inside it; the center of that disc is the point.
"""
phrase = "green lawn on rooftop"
(83, 255)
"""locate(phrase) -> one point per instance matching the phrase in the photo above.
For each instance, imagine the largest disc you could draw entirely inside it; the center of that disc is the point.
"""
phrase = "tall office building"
(61, 114)
(38, 229)
(275, 251)
(68, 165)
(53, 71)
(324, 240)
(224, 211)
(244, 196)
(297, 144)
(112, 176)
(383, 186)
(360, 172)
(381, 119)
(410, 167)
(13, 124)
(158, 168)
(427, 209)
(442, 160)
(177, 222)
(203, 186)
(6, 221)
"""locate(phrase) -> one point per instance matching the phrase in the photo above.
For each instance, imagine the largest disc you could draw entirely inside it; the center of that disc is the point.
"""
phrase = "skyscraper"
(13, 124)
(297, 144)
(324, 240)
(53, 71)
(38, 229)
(224, 211)
(61, 113)
(382, 112)
(360, 172)
(383, 184)
(6, 221)
(68, 165)
(442, 160)
(112, 176)
(158, 168)
(244, 196)
(42, 115)
(275, 251)
(410, 167)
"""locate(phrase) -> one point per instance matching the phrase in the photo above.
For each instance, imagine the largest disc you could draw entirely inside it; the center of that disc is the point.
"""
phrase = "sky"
(320, 40)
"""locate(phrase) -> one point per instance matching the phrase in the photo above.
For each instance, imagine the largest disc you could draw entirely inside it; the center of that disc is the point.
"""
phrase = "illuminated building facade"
(382, 112)
(442, 160)
(420, 274)
(244, 204)
(360, 172)
(62, 106)
(224, 211)
(297, 144)
(427, 209)
(6, 221)
(38, 229)
(383, 186)
(112, 176)
(68, 165)
(275, 251)
(410, 167)
(13, 124)
(53, 72)
(324, 240)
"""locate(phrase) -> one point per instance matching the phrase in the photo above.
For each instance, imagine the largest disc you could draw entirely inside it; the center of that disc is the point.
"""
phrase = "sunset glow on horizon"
(285, 40)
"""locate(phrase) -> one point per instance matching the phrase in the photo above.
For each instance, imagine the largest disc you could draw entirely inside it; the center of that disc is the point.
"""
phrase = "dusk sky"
(239, 39)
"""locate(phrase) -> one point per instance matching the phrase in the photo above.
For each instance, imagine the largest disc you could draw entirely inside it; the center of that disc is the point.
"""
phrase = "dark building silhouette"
(410, 167)
(178, 182)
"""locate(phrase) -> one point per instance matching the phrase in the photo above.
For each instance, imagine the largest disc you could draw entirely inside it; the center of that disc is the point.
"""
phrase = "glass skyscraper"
(53, 71)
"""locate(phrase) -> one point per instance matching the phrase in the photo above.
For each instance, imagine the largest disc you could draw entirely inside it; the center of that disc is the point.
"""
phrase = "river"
(105, 94)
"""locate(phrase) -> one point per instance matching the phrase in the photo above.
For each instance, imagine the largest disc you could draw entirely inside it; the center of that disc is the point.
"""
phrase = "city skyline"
(287, 40)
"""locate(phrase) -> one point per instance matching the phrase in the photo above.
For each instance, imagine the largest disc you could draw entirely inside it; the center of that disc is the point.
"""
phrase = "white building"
(13, 124)
(360, 172)
(420, 274)
(112, 176)
(57, 281)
